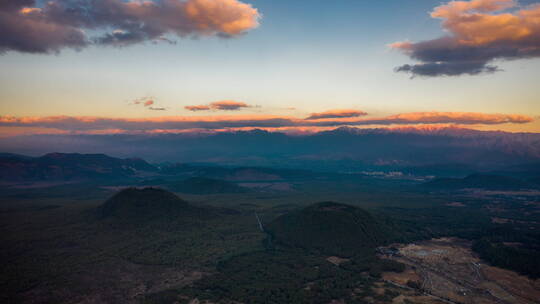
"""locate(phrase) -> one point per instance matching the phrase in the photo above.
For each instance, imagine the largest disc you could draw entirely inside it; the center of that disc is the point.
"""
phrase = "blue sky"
(310, 55)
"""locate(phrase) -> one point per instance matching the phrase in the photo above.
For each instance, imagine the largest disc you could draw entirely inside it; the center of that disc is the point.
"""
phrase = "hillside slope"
(140, 205)
(331, 228)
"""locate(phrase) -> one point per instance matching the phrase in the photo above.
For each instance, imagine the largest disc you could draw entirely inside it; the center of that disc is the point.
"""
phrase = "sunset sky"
(174, 65)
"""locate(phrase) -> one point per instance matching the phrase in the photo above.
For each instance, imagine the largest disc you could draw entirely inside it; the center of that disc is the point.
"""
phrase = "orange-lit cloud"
(228, 105)
(336, 114)
(230, 17)
(148, 102)
(480, 31)
(223, 105)
(87, 124)
(145, 101)
(197, 108)
(57, 24)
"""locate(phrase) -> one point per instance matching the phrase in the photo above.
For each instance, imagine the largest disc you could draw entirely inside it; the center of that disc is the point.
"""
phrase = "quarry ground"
(445, 270)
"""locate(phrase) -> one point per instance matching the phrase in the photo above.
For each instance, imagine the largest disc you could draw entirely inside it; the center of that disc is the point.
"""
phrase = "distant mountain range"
(344, 149)
(70, 166)
(187, 178)
(211, 179)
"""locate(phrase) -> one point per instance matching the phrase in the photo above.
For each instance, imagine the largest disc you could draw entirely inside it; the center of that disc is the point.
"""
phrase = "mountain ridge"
(338, 149)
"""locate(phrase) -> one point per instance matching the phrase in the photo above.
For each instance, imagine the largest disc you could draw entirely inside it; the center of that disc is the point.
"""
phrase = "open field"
(448, 269)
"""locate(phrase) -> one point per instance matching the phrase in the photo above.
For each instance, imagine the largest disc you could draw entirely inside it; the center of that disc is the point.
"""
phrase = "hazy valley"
(82, 228)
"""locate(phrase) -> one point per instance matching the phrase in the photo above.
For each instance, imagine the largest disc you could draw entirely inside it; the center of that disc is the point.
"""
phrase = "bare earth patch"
(336, 260)
(447, 270)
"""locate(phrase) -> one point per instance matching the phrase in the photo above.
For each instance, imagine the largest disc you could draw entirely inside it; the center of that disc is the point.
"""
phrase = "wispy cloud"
(197, 108)
(145, 101)
(336, 114)
(148, 103)
(32, 28)
(228, 105)
(480, 31)
(223, 105)
(75, 123)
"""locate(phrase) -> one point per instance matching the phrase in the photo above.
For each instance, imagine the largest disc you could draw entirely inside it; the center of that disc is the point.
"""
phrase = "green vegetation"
(330, 228)
(294, 268)
(134, 204)
(512, 248)
(290, 276)
(524, 261)
(68, 247)
(65, 243)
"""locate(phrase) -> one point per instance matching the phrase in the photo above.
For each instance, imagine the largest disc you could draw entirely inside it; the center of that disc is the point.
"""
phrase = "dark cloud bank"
(58, 24)
(480, 33)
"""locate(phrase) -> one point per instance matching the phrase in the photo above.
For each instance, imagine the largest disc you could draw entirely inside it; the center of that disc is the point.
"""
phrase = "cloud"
(223, 105)
(170, 123)
(145, 101)
(480, 32)
(197, 108)
(336, 114)
(14, 5)
(228, 105)
(58, 24)
(148, 103)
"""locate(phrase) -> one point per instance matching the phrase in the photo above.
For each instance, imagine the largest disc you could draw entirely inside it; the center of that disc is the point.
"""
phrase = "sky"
(177, 65)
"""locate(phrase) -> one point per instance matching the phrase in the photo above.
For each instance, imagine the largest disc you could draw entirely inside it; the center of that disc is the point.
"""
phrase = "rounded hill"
(144, 204)
(331, 228)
